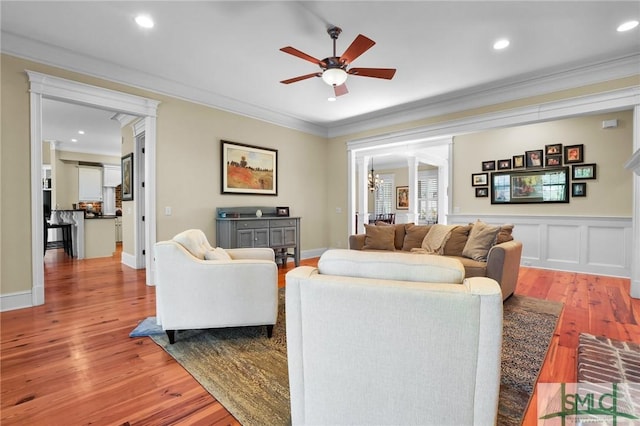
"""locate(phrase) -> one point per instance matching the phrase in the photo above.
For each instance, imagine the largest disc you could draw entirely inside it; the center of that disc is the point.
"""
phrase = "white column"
(634, 166)
(363, 193)
(412, 214)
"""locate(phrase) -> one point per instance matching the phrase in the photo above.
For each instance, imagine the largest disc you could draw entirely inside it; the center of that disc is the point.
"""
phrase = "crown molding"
(523, 86)
(494, 93)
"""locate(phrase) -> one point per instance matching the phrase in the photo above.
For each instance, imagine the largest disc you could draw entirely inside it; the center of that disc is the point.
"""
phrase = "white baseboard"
(309, 254)
(13, 301)
(129, 260)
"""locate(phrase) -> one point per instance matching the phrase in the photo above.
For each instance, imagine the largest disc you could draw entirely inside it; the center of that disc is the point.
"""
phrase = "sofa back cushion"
(391, 266)
(380, 237)
(414, 234)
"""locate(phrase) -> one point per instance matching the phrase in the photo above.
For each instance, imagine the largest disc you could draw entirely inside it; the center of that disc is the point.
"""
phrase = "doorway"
(44, 86)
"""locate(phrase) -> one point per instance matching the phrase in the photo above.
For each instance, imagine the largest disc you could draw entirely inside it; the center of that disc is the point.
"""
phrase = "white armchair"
(198, 286)
(392, 339)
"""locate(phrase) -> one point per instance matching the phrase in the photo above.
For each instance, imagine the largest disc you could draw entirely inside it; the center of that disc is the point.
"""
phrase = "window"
(384, 196)
(428, 195)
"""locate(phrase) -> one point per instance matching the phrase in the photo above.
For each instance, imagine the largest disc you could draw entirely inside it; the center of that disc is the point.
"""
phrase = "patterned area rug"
(247, 372)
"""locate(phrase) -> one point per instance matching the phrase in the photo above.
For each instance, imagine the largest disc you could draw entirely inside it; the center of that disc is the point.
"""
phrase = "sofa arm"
(356, 242)
(503, 265)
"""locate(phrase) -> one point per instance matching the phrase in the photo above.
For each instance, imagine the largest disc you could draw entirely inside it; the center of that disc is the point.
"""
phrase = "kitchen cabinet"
(112, 175)
(89, 183)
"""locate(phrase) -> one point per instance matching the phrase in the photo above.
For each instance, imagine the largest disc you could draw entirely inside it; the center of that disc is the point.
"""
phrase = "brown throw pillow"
(457, 240)
(414, 234)
(505, 233)
(379, 237)
(481, 238)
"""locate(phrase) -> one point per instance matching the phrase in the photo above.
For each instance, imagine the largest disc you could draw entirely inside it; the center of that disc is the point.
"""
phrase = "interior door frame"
(44, 86)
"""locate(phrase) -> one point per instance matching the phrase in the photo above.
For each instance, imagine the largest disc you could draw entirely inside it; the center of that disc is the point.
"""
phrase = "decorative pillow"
(481, 238)
(505, 233)
(457, 240)
(414, 234)
(379, 237)
(217, 253)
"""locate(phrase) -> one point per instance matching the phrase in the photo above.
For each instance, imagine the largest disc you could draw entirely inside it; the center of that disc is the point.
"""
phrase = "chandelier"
(374, 180)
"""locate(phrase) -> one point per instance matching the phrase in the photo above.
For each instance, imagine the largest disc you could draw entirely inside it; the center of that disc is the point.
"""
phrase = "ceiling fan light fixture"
(334, 76)
(629, 25)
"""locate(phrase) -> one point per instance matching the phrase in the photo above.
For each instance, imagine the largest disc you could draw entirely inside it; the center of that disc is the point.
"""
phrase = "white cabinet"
(112, 176)
(89, 183)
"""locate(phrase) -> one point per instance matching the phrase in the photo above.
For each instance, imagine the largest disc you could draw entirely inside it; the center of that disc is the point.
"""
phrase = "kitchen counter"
(100, 217)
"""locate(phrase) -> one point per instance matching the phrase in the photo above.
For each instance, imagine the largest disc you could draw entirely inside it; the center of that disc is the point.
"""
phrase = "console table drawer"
(252, 224)
(282, 223)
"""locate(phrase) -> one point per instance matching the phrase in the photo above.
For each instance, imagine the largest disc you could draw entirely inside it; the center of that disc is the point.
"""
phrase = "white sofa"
(198, 286)
(391, 338)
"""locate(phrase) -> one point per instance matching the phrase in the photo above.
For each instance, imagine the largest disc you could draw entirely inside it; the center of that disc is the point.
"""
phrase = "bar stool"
(67, 240)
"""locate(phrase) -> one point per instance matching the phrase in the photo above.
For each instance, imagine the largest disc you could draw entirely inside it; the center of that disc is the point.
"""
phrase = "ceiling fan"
(334, 68)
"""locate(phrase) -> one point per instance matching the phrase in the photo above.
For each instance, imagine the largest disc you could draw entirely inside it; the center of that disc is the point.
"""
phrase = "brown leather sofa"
(502, 260)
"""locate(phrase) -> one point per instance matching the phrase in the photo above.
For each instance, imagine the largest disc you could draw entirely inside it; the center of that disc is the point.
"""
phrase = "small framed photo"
(579, 189)
(482, 192)
(479, 179)
(282, 211)
(554, 149)
(504, 164)
(553, 160)
(402, 198)
(489, 165)
(534, 158)
(518, 161)
(583, 171)
(573, 154)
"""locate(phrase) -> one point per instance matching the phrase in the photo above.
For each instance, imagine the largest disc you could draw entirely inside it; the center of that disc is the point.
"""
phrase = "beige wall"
(188, 169)
(609, 195)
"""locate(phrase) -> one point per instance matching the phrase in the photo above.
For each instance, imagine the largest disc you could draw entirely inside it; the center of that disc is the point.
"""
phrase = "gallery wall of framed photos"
(551, 174)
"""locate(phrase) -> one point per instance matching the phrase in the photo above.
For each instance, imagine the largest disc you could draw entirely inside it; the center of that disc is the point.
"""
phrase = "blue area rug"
(147, 327)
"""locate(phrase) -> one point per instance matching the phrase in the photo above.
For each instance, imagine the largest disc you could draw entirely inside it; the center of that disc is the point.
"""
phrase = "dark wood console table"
(239, 227)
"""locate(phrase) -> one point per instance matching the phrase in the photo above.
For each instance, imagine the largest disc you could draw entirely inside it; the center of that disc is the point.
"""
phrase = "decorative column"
(634, 165)
(413, 213)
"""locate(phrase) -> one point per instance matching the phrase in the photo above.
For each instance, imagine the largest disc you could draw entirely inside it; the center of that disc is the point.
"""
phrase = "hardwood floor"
(71, 361)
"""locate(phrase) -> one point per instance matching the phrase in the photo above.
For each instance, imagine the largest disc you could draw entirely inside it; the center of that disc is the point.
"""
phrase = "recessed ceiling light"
(331, 98)
(74, 140)
(144, 21)
(629, 25)
(81, 132)
(501, 44)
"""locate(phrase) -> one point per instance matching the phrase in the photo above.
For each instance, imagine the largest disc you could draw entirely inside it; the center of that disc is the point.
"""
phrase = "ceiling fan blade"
(340, 90)
(301, 77)
(386, 73)
(360, 45)
(295, 52)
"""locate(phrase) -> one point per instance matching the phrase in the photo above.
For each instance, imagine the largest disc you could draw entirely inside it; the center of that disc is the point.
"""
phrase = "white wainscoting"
(593, 245)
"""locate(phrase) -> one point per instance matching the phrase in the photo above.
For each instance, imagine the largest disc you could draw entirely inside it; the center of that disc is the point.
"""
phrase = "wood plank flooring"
(71, 362)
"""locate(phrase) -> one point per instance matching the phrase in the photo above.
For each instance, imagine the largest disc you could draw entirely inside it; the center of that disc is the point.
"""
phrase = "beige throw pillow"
(505, 233)
(217, 253)
(481, 238)
(379, 237)
(457, 240)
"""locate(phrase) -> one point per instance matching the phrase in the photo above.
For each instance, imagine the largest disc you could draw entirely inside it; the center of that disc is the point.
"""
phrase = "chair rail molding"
(586, 244)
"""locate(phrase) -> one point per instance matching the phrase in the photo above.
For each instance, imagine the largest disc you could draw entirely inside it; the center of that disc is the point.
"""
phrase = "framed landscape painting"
(248, 169)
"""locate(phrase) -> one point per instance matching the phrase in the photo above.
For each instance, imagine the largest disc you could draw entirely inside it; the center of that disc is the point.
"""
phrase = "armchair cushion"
(194, 241)
(217, 253)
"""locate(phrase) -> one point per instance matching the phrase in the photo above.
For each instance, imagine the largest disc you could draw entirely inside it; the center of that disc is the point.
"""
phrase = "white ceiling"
(226, 53)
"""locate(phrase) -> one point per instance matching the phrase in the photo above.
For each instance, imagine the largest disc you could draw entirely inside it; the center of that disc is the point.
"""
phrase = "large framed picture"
(402, 198)
(530, 186)
(248, 169)
(126, 167)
